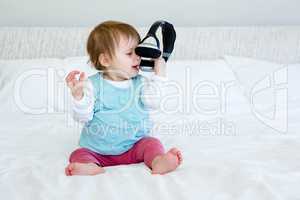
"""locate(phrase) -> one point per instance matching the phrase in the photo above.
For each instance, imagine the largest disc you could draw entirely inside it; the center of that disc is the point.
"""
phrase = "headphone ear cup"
(149, 48)
(147, 52)
(169, 41)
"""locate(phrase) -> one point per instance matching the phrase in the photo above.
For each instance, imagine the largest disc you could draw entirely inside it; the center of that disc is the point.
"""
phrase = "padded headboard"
(274, 43)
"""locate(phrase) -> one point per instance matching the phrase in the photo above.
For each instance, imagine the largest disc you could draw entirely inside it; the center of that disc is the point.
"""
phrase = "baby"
(114, 106)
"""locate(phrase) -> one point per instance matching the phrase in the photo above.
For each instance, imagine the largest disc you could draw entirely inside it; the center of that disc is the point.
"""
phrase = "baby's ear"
(104, 60)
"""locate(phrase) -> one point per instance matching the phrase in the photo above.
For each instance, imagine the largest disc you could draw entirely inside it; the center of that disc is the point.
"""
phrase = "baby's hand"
(160, 66)
(75, 85)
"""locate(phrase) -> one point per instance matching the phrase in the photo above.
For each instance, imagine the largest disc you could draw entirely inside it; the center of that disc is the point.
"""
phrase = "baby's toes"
(180, 158)
(68, 171)
(177, 153)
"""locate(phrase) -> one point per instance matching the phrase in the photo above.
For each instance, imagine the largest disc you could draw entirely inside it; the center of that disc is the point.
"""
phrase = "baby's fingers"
(71, 75)
(82, 77)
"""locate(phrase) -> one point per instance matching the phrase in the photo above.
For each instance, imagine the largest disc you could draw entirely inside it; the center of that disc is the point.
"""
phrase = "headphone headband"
(149, 47)
(168, 36)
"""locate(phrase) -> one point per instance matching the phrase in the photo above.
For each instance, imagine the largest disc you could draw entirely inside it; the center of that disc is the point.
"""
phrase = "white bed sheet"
(215, 167)
(251, 162)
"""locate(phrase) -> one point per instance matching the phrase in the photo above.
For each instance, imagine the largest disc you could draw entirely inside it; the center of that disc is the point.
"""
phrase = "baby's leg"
(151, 151)
(83, 162)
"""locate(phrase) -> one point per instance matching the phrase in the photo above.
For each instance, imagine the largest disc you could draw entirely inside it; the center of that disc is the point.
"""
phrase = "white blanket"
(215, 167)
(226, 156)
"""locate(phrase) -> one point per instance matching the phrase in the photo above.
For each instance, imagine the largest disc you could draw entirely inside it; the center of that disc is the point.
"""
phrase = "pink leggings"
(145, 150)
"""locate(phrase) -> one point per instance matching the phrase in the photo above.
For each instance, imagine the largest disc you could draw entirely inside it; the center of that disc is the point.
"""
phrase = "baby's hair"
(105, 37)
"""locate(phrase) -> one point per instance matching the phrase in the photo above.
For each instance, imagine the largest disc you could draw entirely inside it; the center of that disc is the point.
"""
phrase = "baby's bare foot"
(167, 162)
(83, 169)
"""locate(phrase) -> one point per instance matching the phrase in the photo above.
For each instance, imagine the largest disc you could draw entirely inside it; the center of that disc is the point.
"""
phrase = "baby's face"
(126, 62)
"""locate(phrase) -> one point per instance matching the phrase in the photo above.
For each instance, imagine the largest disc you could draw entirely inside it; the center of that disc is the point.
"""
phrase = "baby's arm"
(154, 87)
(153, 91)
(83, 109)
(82, 96)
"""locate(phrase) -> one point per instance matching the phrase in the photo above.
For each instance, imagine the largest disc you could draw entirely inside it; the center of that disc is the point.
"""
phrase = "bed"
(232, 146)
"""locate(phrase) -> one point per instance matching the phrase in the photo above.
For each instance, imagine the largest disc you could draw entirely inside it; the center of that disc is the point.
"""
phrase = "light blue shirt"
(120, 118)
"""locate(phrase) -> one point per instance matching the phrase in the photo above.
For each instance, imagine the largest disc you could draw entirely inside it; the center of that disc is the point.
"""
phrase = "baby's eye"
(129, 53)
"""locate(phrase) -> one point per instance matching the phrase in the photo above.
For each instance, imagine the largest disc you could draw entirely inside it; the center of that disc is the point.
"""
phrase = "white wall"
(143, 13)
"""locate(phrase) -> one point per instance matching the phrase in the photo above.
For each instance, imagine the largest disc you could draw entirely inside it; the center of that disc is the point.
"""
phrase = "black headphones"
(149, 47)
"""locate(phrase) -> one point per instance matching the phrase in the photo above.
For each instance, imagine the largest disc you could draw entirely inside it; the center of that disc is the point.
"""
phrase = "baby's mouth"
(136, 67)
